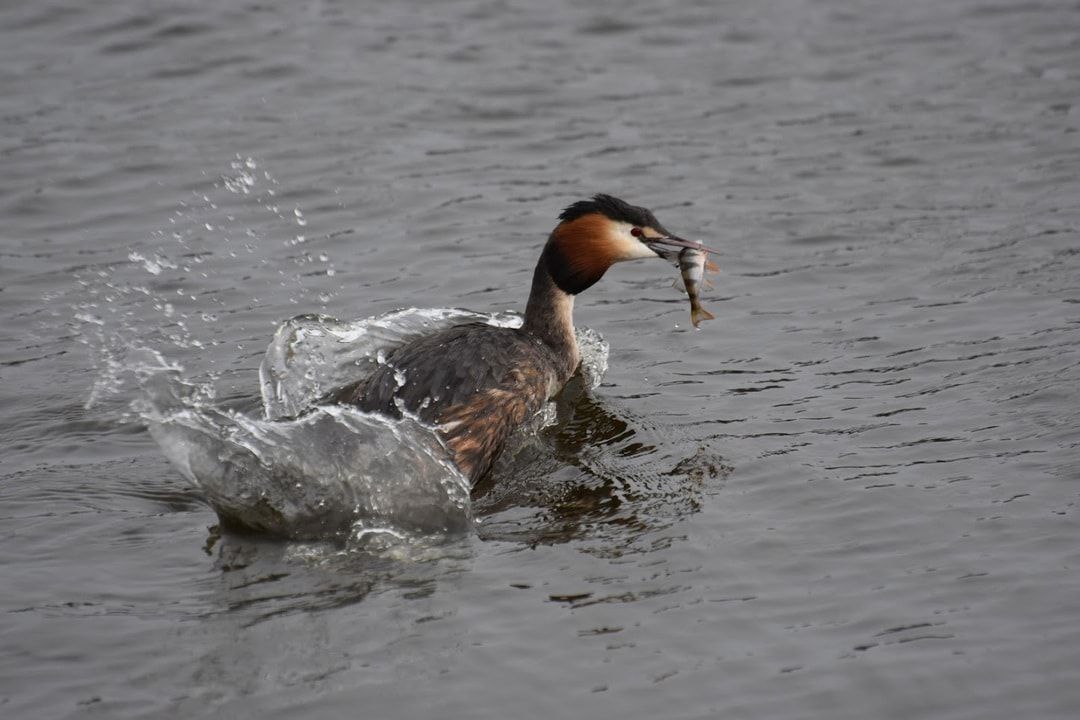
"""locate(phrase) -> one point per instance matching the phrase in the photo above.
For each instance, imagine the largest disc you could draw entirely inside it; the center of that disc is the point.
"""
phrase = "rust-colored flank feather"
(474, 382)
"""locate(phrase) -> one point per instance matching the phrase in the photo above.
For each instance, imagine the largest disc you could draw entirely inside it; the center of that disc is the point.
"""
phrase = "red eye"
(636, 232)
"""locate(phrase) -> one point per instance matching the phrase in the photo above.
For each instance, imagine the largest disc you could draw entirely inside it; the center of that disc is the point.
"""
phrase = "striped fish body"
(692, 269)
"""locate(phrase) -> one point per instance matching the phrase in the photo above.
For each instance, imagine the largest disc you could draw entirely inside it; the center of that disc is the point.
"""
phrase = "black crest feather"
(614, 208)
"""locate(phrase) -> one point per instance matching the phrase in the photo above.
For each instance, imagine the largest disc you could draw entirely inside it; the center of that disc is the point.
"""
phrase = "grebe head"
(592, 235)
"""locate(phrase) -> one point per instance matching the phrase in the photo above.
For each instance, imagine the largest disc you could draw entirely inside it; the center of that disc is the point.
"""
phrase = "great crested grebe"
(476, 383)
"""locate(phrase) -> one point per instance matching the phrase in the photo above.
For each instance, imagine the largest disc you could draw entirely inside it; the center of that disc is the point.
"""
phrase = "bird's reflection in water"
(598, 473)
(261, 578)
(608, 482)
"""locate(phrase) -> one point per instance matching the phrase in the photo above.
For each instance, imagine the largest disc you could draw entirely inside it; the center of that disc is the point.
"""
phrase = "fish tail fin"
(698, 314)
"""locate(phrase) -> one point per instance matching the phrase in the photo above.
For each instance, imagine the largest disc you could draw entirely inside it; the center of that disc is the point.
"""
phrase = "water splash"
(334, 472)
(302, 470)
(311, 355)
(286, 466)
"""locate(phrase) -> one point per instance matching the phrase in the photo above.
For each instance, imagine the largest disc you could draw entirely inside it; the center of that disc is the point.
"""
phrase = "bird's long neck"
(549, 315)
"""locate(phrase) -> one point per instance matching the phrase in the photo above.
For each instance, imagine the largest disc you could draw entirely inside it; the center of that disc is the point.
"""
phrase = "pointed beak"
(669, 246)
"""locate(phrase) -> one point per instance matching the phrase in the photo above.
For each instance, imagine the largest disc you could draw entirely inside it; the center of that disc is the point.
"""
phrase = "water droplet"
(88, 318)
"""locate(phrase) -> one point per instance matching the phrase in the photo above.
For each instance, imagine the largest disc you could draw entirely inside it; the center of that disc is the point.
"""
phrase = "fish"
(692, 266)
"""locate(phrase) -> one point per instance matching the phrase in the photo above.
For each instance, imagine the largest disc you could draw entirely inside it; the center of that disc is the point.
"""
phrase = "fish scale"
(692, 264)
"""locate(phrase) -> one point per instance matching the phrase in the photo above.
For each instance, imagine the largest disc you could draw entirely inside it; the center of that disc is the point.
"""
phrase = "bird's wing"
(476, 383)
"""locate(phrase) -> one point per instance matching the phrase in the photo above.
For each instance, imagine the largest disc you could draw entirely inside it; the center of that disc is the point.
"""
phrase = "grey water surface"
(852, 495)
